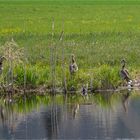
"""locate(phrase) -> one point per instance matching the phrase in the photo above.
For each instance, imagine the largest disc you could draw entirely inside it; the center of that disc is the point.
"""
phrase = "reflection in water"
(125, 98)
(52, 119)
(101, 116)
(2, 115)
(9, 119)
(75, 110)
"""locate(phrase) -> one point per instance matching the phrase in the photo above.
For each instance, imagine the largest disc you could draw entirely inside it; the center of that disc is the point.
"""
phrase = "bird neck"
(123, 66)
(73, 60)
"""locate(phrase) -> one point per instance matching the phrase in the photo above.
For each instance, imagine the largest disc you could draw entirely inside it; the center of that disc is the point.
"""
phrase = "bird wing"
(124, 75)
(71, 68)
(126, 71)
(75, 67)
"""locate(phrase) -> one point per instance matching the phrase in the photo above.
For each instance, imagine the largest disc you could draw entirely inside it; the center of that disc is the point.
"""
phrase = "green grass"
(79, 16)
(99, 32)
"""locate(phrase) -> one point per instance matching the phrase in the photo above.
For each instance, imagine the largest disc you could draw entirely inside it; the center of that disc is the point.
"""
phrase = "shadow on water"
(97, 116)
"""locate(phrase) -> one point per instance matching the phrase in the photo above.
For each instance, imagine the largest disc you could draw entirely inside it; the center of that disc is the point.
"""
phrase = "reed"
(53, 59)
(64, 81)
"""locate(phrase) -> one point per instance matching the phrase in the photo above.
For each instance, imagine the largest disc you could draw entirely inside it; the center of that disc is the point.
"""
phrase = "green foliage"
(31, 75)
(99, 33)
(35, 75)
(77, 79)
(107, 76)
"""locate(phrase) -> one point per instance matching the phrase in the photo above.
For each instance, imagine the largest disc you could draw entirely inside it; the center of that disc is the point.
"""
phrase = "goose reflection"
(75, 110)
(125, 99)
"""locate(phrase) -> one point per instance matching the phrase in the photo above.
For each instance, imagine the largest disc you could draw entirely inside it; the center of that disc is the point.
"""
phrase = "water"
(102, 116)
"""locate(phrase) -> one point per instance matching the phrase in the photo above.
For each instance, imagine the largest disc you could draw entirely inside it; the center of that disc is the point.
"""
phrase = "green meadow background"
(99, 32)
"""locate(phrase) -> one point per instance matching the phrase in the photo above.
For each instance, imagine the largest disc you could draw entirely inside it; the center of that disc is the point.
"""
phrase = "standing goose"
(2, 58)
(73, 66)
(124, 73)
(85, 90)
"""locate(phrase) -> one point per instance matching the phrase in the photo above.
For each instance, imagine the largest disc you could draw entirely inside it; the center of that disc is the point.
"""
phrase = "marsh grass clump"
(14, 57)
(77, 79)
(31, 76)
(35, 76)
(106, 77)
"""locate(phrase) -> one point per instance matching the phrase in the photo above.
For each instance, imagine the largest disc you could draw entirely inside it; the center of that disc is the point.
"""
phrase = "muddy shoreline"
(43, 90)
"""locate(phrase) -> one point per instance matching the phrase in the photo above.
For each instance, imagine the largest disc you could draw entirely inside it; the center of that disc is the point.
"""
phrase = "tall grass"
(104, 72)
(100, 34)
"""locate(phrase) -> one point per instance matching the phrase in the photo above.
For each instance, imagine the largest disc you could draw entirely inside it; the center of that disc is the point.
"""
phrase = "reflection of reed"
(2, 115)
(9, 119)
(52, 120)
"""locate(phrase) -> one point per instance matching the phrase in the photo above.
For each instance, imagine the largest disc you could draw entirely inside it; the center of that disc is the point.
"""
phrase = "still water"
(99, 116)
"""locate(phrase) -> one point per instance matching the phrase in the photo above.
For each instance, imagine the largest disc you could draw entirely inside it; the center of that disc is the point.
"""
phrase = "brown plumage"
(85, 89)
(2, 58)
(124, 72)
(73, 66)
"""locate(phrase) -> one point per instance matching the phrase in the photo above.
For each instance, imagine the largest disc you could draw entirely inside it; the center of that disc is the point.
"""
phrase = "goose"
(73, 66)
(125, 74)
(84, 90)
(2, 58)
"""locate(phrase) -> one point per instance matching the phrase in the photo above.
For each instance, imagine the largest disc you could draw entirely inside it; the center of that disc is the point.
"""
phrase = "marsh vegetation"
(44, 34)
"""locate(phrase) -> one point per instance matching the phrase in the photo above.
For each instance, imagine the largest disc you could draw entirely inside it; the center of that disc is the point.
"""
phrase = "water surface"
(100, 116)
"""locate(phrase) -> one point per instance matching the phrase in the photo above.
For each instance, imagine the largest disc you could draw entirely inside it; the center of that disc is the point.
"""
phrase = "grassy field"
(99, 32)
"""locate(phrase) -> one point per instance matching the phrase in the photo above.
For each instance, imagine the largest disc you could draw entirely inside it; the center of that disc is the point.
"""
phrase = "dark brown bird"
(124, 73)
(73, 66)
(2, 58)
(85, 90)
